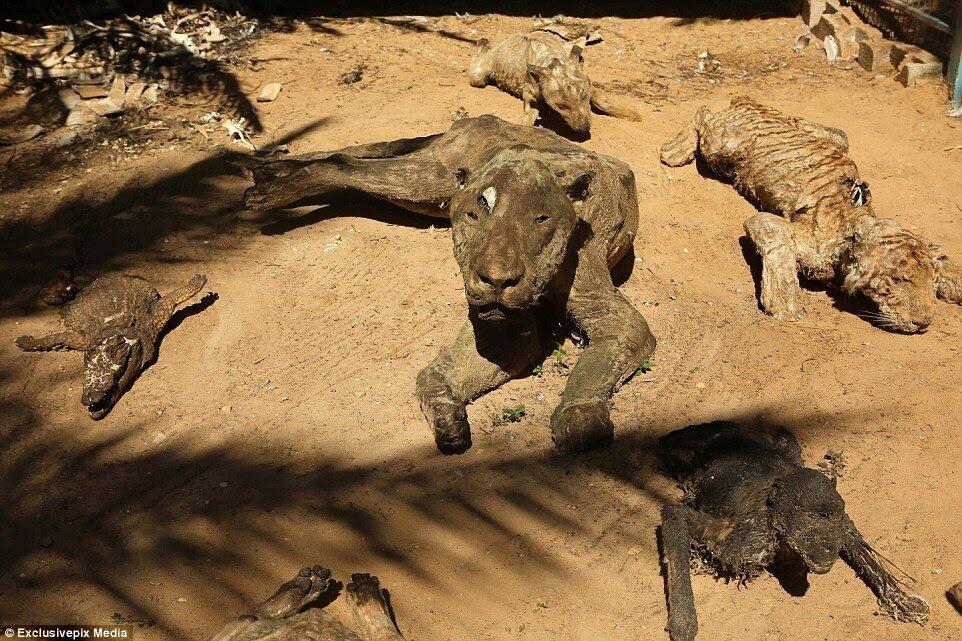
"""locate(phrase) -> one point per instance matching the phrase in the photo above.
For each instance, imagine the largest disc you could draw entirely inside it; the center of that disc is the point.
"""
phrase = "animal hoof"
(452, 433)
(581, 426)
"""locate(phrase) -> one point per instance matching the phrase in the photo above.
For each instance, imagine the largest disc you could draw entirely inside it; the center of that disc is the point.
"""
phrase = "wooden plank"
(954, 75)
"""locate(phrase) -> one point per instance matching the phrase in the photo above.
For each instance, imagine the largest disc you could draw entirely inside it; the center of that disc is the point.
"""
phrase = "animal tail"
(605, 103)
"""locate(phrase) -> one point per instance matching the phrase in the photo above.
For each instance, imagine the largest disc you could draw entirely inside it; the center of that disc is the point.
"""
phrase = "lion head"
(901, 273)
(512, 222)
(566, 88)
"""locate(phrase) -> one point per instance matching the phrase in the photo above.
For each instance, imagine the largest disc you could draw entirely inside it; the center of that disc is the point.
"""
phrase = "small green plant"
(646, 366)
(537, 370)
(560, 361)
(512, 414)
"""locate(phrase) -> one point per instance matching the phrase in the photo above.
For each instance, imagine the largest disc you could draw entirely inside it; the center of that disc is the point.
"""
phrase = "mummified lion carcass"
(816, 215)
(538, 222)
(546, 72)
(750, 504)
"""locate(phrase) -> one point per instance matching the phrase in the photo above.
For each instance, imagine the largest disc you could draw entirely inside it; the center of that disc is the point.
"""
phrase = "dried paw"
(452, 433)
(581, 426)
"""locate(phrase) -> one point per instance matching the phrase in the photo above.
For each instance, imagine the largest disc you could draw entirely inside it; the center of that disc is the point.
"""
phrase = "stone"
(23, 135)
(134, 93)
(91, 91)
(902, 52)
(270, 92)
(917, 73)
(830, 24)
(150, 95)
(118, 89)
(955, 595)
(812, 11)
(104, 107)
(81, 115)
(875, 55)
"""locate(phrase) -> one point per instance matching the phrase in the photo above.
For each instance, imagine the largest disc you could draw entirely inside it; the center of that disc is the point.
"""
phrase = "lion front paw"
(580, 426)
(452, 433)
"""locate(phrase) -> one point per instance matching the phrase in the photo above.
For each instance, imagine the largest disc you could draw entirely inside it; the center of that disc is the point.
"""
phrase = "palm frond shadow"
(210, 520)
(129, 226)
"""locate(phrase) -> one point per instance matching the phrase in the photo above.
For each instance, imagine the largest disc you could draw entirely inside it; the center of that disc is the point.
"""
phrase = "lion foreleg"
(773, 238)
(482, 357)
(619, 341)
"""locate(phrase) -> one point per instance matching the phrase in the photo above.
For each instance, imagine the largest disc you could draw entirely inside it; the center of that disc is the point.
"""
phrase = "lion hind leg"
(773, 238)
(369, 606)
(682, 149)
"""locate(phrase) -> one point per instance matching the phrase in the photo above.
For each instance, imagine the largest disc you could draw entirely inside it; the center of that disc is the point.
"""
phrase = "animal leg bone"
(870, 568)
(772, 237)
(372, 616)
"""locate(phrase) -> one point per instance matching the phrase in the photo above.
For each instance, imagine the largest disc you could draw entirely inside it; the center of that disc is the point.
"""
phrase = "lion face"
(896, 270)
(511, 225)
(567, 89)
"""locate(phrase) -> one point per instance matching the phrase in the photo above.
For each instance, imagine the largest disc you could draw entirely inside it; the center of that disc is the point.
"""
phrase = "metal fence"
(926, 23)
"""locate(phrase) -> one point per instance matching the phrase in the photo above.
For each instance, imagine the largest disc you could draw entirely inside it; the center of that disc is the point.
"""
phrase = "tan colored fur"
(816, 217)
(546, 72)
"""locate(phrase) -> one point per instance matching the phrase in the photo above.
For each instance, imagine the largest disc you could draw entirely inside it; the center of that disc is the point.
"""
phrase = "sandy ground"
(279, 429)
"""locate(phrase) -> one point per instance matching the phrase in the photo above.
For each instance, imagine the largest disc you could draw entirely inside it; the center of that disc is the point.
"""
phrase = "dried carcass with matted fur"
(751, 503)
(116, 322)
(546, 72)
(295, 612)
(816, 215)
(538, 222)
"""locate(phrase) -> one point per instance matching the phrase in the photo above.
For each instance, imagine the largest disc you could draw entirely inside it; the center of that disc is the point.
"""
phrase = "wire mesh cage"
(901, 23)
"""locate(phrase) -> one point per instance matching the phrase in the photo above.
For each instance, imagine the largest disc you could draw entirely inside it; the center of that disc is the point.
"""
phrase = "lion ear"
(578, 189)
(536, 71)
(948, 276)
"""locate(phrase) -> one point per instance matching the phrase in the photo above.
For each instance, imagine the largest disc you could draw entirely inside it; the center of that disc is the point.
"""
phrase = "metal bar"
(928, 19)
(954, 75)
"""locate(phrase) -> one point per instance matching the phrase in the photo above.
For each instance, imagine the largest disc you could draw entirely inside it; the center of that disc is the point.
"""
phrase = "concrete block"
(918, 73)
(875, 55)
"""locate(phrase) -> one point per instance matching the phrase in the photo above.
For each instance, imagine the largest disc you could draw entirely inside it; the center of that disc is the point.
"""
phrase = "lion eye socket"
(543, 218)
(471, 215)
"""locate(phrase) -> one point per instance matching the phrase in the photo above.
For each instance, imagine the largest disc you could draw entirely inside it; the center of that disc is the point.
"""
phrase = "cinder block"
(875, 55)
(919, 73)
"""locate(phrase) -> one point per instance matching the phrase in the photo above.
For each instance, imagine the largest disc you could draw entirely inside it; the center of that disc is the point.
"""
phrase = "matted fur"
(546, 72)
(817, 216)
